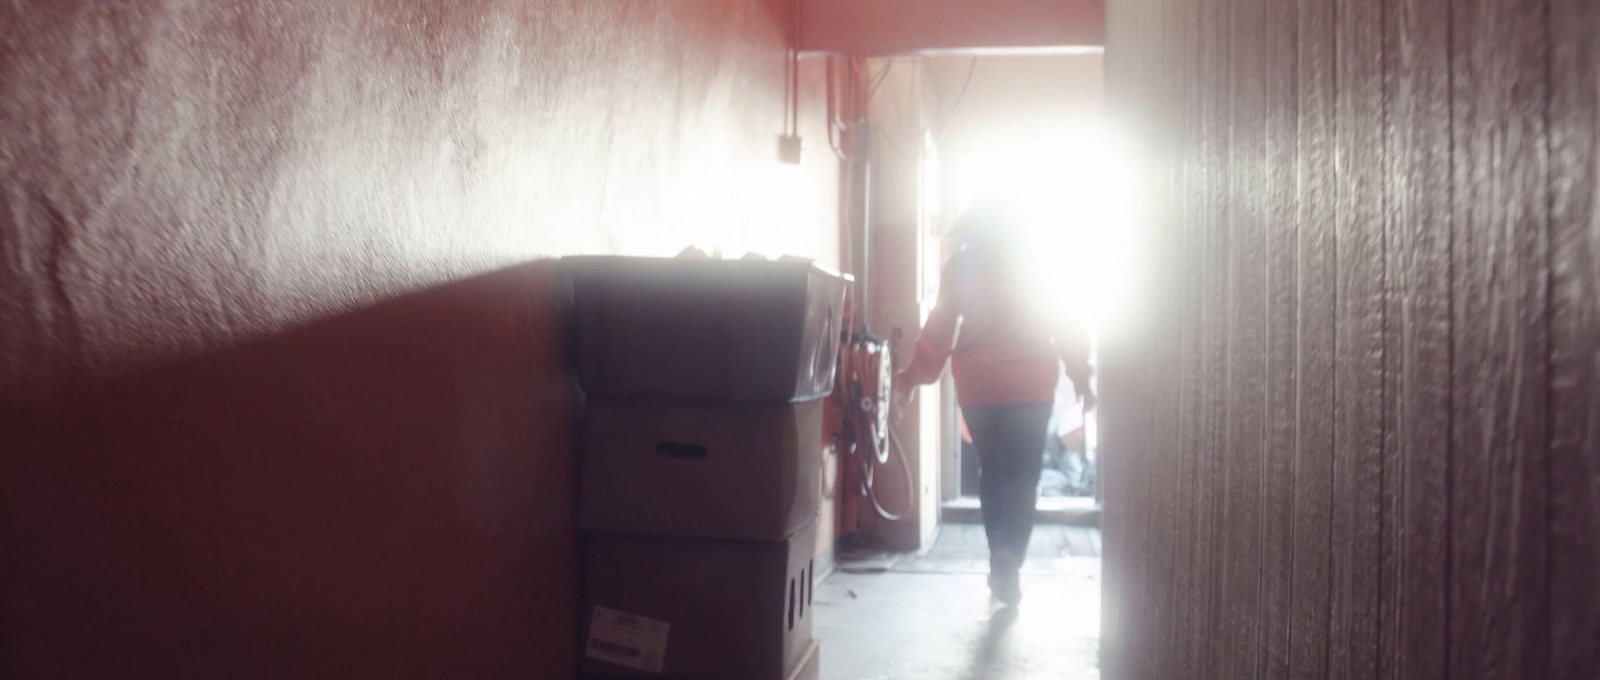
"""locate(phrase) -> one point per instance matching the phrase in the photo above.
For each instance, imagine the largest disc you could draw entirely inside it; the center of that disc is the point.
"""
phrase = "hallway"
(929, 617)
(291, 385)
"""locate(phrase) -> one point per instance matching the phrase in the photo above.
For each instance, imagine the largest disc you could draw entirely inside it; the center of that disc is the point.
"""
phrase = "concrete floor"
(936, 622)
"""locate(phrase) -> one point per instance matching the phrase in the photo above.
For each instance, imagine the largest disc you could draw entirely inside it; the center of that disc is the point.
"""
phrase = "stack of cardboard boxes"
(700, 463)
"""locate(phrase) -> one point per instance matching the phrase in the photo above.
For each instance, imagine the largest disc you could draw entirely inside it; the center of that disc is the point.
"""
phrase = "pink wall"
(890, 26)
(273, 399)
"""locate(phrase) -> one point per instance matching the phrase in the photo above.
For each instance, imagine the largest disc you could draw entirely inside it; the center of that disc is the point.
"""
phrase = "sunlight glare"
(1071, 191)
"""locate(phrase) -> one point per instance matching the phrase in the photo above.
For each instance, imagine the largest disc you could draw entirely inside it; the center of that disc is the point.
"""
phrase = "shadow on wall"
(387, 493)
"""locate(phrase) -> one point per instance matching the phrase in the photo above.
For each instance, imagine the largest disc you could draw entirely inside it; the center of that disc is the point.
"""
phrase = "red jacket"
(1003, 351)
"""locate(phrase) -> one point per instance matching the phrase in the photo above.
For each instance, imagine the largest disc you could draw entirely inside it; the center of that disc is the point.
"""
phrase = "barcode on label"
(604, 646)
(628, 639)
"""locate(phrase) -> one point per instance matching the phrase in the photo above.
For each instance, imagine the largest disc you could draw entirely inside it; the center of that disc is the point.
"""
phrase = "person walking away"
(1006, 356)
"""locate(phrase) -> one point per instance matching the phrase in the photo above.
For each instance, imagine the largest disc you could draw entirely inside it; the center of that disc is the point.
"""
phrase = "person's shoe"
(1007, 589)
(1005, 583)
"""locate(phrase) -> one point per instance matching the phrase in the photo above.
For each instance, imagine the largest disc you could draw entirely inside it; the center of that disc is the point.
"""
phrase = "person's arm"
(937, 340)
(1072, 344)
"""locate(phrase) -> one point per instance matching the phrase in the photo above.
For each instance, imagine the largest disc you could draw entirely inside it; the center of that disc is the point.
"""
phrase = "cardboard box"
(711, 331)
(697, 609)
(750, 473)
(810, 667)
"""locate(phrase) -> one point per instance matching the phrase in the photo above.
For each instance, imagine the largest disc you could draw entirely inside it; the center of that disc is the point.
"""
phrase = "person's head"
(988, 228)
(984, 225)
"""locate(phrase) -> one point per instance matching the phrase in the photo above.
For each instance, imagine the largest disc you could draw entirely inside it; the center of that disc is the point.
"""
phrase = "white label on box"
(627, 640)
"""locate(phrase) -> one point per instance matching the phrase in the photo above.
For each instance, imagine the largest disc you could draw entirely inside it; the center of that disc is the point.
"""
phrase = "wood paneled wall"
(1353, 428)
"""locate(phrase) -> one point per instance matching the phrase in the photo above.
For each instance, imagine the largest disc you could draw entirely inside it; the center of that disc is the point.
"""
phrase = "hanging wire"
(877, 80)
(911, 487)
(873, 448)
(894, 146)
(956, 107)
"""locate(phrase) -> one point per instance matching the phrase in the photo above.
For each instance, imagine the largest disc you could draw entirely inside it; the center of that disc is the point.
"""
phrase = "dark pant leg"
(1020, 438)
(1010, 444)
(981, 422)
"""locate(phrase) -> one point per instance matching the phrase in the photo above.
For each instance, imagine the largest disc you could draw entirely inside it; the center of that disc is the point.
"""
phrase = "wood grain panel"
(1213, 110)
(1313, 499)
(1575, 355)
(1277, 485)
(1358, 373)
(1417, 344)
(1123, 587)
(1122, 382)
(1380, 249)
(1245, 213)
(1187, 611)
(1499, 259)
(1167, 540)
(1111, 490)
